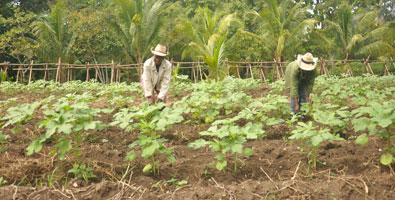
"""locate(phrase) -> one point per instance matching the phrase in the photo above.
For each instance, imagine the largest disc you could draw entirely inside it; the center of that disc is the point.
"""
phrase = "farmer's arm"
(146, 79)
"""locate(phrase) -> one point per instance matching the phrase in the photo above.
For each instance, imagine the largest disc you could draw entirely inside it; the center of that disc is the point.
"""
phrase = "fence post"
(57, 78)
(30, 71)
(227, 66)
(97, 73)
(249, 65)
(87, 71)
(45, 71)
(112, 71)
(262, 73)
(193, 72)
(5, 70)
(17, 74)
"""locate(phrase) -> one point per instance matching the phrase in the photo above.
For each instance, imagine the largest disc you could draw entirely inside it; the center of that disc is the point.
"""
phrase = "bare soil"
(277, 170)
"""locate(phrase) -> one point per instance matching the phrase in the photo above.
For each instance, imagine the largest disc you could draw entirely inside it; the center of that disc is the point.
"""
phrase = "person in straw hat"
(299, 78)
(156, 75)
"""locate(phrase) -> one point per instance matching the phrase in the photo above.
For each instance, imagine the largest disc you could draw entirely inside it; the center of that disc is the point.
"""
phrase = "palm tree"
(208, 37)
(283, 26)
(53, 36)
(138, 26)
(54, 39)
(356, 33)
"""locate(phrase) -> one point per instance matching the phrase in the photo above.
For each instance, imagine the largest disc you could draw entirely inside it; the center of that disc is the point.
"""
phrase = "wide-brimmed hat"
(307, 62)
(159, 50)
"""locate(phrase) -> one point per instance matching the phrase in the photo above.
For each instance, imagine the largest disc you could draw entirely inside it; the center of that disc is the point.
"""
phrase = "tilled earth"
(277, 170)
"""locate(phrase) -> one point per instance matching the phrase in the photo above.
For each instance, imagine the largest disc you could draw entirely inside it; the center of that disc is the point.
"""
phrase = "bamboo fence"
(111, 72)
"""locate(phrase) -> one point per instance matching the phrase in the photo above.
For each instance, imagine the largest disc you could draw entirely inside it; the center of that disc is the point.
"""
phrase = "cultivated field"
(234, 139)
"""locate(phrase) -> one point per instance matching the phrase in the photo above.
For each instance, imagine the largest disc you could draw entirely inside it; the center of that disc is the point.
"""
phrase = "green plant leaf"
(149, 150)
(35, 146)
(130, 156)
(386, 159)
(221, 165)
(171, 158)
(198, 143)
(316, 140)
(237, 148)
(64, 147)
(147, 168)
(362, 140)
(248, 152)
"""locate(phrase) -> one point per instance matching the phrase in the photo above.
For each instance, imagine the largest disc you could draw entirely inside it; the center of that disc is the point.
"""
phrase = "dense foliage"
(125, 30)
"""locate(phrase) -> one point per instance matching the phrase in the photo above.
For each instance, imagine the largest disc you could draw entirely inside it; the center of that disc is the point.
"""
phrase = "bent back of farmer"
(299, 79)
(156, 75)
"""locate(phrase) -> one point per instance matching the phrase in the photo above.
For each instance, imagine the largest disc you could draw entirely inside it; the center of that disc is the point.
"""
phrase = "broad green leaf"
(171, 158)
(237, 148)
(316, 140)
(198, 143)
(149, 150)
(147, 168)
(130, 156)
(64, 147)
(35, 146)
(248, 152)
(3, 148)
(221, 165)
(362, 140)
(65, 128)
(386, 159)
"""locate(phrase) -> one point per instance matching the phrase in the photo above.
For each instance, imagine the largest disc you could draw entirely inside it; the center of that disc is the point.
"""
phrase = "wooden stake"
(200, 70)
(193, 72)
(249, 65)
(30, 71)
(57, 78)
(96, 72)
(227, 67)
(46, 72)
(112, 71)
(387, 71)
(17, 74)
(87, 71)
(262, 73)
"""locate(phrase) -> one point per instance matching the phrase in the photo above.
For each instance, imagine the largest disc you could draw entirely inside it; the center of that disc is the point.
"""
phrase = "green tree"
(18, 40)
(354, 32)
(94, 41)
(208, 37)
(283, 27)
(138, 26)
(53, 36)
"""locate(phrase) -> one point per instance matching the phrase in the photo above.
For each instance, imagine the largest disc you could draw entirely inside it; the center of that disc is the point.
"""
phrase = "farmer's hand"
(149, 100)
(297, 106)
(308, 100)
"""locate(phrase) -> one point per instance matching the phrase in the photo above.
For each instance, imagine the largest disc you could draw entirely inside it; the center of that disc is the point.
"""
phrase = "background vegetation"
(99, 31)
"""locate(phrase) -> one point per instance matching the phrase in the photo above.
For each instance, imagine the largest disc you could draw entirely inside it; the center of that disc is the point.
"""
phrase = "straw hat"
(307, 62)
(159, 50)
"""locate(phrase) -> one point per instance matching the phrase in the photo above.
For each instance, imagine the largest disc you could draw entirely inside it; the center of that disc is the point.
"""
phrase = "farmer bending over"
(299, 78)
(156, 75)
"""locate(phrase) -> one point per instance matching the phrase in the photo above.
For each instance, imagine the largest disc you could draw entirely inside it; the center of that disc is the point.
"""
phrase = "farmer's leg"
(302, 94)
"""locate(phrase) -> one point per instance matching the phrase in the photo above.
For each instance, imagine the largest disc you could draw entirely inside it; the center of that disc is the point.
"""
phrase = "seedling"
(228, 140)
(311, 137)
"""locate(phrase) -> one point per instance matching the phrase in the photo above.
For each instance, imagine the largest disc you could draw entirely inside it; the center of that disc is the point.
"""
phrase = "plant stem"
(235, 163)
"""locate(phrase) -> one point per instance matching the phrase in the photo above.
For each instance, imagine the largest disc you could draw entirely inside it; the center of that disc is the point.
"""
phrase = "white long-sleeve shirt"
(153, 79)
